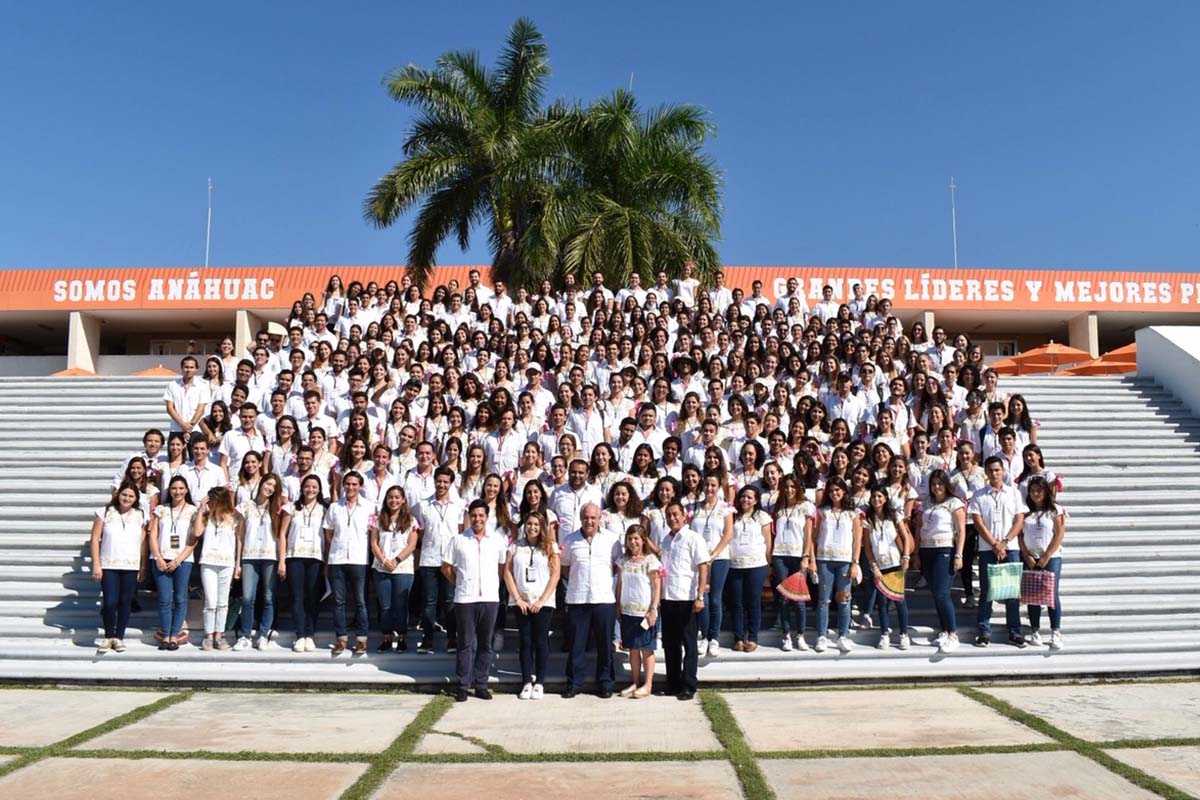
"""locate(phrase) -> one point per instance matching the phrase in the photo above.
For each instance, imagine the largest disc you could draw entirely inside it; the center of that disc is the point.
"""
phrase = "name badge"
(174, 541)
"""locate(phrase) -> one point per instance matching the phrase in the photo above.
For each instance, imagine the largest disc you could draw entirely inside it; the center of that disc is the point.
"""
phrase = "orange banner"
(909, 288)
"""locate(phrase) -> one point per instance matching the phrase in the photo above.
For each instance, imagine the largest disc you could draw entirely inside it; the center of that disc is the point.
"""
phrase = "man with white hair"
(589, 558)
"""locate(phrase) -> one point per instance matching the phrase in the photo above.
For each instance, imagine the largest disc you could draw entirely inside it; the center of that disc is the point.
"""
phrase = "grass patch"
(63, 747)
(1090, 750)
(404, 745)
(905, 752)
(729, 734)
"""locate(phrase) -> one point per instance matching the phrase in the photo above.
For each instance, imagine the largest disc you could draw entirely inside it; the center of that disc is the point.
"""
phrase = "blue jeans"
(883, 605)
(1035, 612)
(255, 573)
(349, 586)
(782, 568)
(833, 584)
(433, 584)
(391, 590)
(745, 594)
(710, 617)
(172, 597)
(937, 567)
(304, 577)
(117, 587)
(1012, 608)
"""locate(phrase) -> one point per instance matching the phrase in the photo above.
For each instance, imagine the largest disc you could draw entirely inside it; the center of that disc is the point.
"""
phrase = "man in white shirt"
(381, 478)
(634, 290)
(685, 558)
(186, 398)
(587, 423)
(201, 474)
(847, 405)
(440, 517)
(235, 444)
(826, 309)
(625, 446)
(567, 501)
(321, 332)
(346, 541)
(301, 470)
(482, 293)
(756, 298)
(721, 297)
(648, 431)
(352, 317)
(793, 293)
(599, 288)
(473, 562)
(502, 447)
(589, 558)
(419, 482)
(859, 304)
(997, 513)
(313, 418)
(940, 354)
(694, 455)
(337, 382)
(502, 304)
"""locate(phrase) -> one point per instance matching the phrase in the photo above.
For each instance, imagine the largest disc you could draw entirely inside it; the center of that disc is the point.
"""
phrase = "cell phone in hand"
(645, 624)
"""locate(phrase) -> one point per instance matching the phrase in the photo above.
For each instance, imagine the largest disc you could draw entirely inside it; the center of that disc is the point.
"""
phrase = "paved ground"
(1095, 741)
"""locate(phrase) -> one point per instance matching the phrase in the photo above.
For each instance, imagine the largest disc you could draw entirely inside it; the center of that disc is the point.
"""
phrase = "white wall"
(1170, 354)
(31, 366)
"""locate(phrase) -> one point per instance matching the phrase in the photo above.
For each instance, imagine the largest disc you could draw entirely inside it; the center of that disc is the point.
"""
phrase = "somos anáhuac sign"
(277, 287)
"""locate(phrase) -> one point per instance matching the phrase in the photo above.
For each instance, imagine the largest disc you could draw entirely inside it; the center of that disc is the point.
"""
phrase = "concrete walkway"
(1064, 740)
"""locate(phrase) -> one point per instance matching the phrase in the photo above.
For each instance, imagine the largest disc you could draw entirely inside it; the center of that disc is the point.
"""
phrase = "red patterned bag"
(1037, 588)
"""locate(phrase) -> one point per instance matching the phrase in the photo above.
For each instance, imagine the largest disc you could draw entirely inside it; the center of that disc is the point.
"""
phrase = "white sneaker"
(822, 644)
(845, 644)
(787, 644)
(801, 645)
(1035, 638)
(298, 647)
(865, 621)
(265, 642)
(884, 641)
(1056, 640)
(526, 692)
(309, 645)
(118, 645)
(701, 646)
(939, 641)
(104, 645)
(714, 647)
(904, 641)
(242, 644)
(951, 643)
(537, 692)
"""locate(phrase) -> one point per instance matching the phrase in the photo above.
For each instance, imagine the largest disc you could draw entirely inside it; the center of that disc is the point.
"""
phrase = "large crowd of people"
(612, 470)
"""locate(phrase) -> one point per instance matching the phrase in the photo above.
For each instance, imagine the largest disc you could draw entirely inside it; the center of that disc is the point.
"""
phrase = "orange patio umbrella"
(1122, 355)
(1099, 366)
(1010, 366)
(1053, 354)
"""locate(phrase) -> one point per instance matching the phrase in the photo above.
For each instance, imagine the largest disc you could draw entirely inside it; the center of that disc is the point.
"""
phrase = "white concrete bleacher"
(1128, 452)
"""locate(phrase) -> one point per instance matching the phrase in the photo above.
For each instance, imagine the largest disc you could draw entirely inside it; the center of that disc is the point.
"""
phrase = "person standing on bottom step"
(118, 534)
(531, 574)
(1041, 546)
(837, 545)
(639, 588)
(474, 564)
(685, 557)
(347, 525)
(997, 514)
(589, 558)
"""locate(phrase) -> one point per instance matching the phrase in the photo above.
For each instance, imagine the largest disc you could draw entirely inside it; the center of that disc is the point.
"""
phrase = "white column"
(1084, 333)
(927, 319)
(248, 323)
(83, 341)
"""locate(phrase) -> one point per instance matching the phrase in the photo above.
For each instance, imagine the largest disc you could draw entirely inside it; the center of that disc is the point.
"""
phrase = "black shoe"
(163, 645)
(570, 692)
(685, 695)
(172, 645)
(384, 647)
(604, 694)
(462, 696)
(401, 646)
(451, 648)
(662, 692)
(983, 640)
(483, 694)
(1018, 642)
(425, 646)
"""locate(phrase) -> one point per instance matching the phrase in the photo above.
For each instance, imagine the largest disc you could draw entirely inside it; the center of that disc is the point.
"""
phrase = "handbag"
(1037, 587)
(1004, 581)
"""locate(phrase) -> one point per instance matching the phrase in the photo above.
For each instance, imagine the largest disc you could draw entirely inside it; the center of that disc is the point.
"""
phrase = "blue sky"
(1071, 127)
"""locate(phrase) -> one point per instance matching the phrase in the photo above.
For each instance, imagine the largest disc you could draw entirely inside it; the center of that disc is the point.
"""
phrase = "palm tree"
(478, 153)
(641, 195)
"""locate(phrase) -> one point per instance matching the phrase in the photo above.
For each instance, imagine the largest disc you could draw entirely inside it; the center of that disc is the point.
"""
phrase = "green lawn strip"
(729, 734)
(61, 747)
(1090, 750)
(1144, 744)
(404, 745)
(211, 755)
(905, 752)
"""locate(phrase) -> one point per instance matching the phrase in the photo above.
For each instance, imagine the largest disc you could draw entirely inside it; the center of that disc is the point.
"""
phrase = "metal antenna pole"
(208, 228)
(953, 219)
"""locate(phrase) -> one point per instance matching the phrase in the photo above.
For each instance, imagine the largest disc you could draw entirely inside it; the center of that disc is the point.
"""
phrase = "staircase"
(1128, 453)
